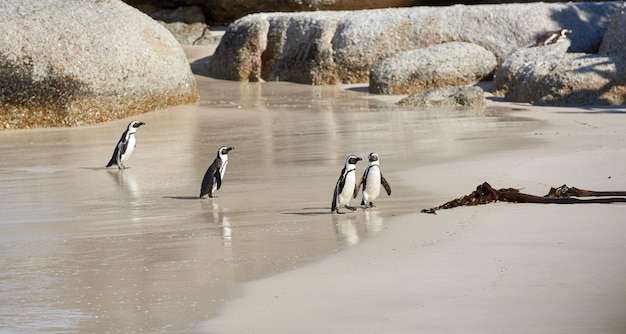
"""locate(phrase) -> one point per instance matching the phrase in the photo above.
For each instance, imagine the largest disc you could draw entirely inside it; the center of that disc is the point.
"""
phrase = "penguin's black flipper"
(116, 156)
(338, 188)
(207, 182)
(123, 148)
(358, 186)
(113, 159)
(385, 184)
(218, 179)
(116, 152)
(341, 182)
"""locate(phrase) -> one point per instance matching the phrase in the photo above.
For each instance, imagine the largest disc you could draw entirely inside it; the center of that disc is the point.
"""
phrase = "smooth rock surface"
(340, 47)
(187, 24)
(108, 61)
(575, 80)
(547, 75)
(511, 68)
(192, 33)
(447, 64)
(614, 41)
(224, 12)
(447, 96)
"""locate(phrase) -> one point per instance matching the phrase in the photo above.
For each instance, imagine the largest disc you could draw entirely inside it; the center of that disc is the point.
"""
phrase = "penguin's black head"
(135, 124)
(565, 32)
(372, 157)
(353, 159)
(224, 150)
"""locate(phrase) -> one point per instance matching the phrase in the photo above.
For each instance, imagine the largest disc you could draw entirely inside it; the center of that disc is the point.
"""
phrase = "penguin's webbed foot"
(351, 208)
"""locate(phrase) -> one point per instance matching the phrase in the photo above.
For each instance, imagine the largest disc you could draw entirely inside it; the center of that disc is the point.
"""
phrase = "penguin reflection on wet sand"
(345, 186)
(125, 146)
(215, 173)
(552, 37)
(372, 180)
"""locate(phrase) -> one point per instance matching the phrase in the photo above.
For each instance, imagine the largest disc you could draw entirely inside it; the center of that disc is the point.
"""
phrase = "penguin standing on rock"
(214, 175)
(372, 180)
(552, 37)
(346, 185)
(125, 146)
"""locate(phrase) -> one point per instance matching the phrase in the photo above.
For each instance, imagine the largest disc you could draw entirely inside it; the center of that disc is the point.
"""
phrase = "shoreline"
(493, 268)
(136, 250)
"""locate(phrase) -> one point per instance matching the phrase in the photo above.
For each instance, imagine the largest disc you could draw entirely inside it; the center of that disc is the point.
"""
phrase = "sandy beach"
(89, 249)
(497, 268)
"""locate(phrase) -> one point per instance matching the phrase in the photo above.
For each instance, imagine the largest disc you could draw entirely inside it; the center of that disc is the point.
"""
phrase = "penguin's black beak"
(138, 124)
(358, 159)
(230, 149)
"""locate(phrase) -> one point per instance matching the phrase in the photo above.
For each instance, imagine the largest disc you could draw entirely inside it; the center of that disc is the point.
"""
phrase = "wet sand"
(90, 249)
(497, 268)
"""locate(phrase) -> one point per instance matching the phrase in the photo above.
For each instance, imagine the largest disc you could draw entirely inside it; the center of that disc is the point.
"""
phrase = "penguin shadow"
(110, 169)
(191, 198)
(183, 197)
(305, 212)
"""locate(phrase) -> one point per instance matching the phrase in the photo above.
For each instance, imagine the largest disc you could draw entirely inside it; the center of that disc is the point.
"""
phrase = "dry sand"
(88, 249)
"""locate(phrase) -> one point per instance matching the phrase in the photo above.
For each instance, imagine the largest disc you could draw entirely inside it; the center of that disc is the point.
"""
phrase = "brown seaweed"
(484, 194)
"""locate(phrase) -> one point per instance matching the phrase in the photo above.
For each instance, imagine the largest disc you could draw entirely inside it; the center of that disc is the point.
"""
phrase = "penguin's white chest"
(372, 184)
(223, 169)
(348, 188)
(129, 149)
(222, 172)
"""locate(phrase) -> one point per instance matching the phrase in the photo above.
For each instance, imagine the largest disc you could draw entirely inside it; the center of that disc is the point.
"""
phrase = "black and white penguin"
(552, 37)
(214, 175)
(372, 180)
(125, 147)
(346, 185)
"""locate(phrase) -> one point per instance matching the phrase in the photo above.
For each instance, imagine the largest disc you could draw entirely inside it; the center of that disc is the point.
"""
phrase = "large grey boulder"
(340, 47)
(512, 70)
(447, 64)
(614, 41)
(224, 12)
(191, 33)
(548, 76)
(187, 24)
(447, 96)
(73, 62)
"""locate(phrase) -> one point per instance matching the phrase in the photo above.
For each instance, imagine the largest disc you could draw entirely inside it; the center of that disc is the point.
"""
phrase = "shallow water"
(90, 249)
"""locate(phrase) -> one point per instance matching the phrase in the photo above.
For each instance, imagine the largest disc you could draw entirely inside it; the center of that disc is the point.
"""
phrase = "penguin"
(552, 37)
(125, 147)
(372, 180)
(214, 175)
(346, 185)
